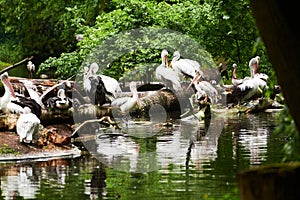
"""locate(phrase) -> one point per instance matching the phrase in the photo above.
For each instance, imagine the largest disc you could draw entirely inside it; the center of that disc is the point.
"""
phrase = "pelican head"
(133, 89)
(234, 65)
(62, 102)
(176, 55)
(4, 76)
(199, 77)
(164, 53)
(94, 67)
(61, 93)
(5, 80)
(164, 58)
(257, 58)
(85, 70)
(132, 86)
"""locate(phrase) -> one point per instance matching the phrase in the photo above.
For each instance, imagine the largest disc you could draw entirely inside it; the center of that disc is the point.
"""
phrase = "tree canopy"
(47, 29)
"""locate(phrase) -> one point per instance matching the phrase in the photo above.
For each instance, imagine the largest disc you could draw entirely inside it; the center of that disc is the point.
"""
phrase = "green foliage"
(225, 29)
(10, 51)
(47, 29)
(44, 28)
(287, 126)
(63, 67)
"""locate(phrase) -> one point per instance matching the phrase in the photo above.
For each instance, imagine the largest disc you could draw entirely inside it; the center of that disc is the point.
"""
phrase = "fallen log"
(173, 104)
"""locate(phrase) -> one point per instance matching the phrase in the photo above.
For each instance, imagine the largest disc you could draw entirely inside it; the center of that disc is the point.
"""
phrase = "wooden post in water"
(275, 182)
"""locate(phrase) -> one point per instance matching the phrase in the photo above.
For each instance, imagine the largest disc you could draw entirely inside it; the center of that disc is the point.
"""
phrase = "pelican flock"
(248, 87)
(28, 122)
(104, 90)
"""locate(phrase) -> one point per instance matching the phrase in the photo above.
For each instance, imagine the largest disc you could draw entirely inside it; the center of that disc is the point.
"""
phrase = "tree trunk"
(278, 24)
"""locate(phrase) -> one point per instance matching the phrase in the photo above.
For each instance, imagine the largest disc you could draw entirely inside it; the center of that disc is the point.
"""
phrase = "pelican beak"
(88, 74)
(166, 61)
(138, 101)
(196, 78)
(9, 85)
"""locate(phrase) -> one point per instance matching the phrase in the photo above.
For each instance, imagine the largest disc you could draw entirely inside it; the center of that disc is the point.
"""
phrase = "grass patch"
(5, 149)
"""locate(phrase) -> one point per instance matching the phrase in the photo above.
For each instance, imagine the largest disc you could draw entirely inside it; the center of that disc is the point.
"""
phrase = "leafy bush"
(287, 126)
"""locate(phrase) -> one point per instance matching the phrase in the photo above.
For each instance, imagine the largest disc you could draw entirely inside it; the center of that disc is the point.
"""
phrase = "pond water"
(189, 160)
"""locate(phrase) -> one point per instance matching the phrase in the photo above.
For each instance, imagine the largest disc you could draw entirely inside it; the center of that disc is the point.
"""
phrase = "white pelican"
(95, 90)
(185, 67)
(6, 105)
(204, 87)
(167, 75)
(28, 124)
(60, 102)
(32, 91)
(127, 103)
(111, 85)
(235, 81)
(12, 104)
(253, 64)
(31, 68)
(252, 86)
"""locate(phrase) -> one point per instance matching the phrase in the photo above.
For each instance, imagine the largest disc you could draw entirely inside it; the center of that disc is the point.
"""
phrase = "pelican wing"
(163, 73)
(120, 101)
(27, 126)
(53, 87)
(111, 85)
(31, 89)
(186, 67)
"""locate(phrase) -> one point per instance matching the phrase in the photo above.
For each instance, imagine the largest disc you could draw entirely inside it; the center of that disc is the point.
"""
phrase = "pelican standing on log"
(253, 86)
(185, 67)
(253, 64)
(128, 103)
(6, 105)
(167, 75)
(235, 81)
(111, 84)
(204, 88)
(60, 102)
(31, 68)
(94, 86)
